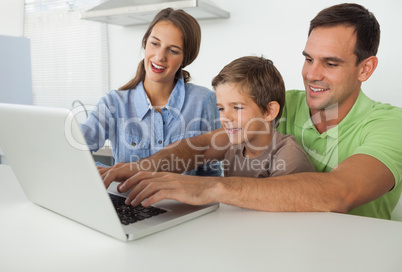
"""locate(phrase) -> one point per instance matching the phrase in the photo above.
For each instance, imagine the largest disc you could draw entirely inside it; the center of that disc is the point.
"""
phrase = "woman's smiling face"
(163, 53)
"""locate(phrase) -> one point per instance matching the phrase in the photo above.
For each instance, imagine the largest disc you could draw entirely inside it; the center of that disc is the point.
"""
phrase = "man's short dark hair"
(366, 26)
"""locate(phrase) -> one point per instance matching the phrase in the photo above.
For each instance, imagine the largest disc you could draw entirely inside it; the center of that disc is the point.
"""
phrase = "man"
(353, 142)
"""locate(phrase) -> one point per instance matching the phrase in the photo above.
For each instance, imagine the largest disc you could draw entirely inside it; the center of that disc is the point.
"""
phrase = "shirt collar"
(176, 99)
(140, 101)
(174, 105)
(358, 110)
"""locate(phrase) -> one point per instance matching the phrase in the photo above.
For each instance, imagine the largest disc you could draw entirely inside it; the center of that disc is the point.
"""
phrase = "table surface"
(229, 239)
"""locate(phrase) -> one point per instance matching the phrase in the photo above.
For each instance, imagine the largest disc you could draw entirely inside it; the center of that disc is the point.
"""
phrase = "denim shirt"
(136, 130)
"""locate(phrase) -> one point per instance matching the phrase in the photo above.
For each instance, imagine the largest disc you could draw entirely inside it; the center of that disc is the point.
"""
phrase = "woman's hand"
(119, 172)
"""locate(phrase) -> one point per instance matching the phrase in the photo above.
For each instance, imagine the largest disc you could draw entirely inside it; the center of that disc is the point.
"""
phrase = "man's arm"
(179, 157)
(356, 181)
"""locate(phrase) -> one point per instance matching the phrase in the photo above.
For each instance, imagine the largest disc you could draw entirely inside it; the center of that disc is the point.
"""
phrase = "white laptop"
(48, 154)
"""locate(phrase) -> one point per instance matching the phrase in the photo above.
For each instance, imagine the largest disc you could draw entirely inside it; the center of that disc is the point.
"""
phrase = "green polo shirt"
(370, 128)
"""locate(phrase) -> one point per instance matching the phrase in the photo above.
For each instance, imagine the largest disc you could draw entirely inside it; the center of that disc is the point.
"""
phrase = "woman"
(158, 106)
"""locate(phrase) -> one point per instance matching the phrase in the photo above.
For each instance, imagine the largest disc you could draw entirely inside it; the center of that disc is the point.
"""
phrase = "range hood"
(140, 12)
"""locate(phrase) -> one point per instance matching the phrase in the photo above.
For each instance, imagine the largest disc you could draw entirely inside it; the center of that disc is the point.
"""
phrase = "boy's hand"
(148, 188)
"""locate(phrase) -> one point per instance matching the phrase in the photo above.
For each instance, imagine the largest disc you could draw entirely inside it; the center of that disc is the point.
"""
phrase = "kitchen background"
(274, 29)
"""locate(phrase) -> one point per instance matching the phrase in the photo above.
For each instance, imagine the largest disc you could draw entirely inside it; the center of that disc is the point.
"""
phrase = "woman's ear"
(273, 108)
(367, 68)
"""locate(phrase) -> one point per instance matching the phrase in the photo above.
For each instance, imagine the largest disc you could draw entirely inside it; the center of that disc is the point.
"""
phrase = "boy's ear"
(273, 108)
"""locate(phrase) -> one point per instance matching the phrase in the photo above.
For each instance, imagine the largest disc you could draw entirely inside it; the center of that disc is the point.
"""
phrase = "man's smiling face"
(330, 73)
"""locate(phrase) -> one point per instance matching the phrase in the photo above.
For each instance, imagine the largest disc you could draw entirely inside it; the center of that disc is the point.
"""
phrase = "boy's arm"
(180, 157)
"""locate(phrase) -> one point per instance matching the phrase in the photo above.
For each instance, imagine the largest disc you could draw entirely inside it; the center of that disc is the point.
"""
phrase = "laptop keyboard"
(129, 214)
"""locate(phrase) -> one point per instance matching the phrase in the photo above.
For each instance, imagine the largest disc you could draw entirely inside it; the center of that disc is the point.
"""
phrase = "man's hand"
(148, 188)
(119, 172)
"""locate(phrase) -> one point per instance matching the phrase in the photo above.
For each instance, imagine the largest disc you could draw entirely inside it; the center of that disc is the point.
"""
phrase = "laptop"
(50, 158)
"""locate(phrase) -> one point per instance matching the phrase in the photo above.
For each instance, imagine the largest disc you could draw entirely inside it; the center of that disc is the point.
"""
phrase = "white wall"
(12, 17)
(275, 29)
(11, 24)
(15, 62)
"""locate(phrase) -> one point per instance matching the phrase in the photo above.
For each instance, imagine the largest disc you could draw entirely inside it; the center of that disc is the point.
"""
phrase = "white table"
(229, 239)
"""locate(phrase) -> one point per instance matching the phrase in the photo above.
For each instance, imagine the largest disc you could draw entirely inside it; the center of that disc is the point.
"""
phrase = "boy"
(250, 96)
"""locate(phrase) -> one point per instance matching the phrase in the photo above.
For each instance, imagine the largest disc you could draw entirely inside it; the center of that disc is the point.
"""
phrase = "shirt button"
(159, 142)
(163, 122)
(133, 144)
(164, 108)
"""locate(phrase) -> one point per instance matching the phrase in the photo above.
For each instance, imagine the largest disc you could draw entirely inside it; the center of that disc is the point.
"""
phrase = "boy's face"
(241, 117)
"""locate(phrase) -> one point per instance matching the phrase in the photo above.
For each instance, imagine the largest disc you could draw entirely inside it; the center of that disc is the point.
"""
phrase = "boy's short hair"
(257, 77)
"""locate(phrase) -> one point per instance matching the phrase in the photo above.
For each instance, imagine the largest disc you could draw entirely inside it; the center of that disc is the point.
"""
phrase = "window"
(70, 56)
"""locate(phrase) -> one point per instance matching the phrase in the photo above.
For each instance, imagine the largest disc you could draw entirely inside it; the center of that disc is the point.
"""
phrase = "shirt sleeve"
(290, 159)
(210, 121)
(381, 139)
(210, 114)
(97, 128)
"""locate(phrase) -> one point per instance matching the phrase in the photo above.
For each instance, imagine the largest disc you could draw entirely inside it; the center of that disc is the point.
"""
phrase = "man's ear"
(367, 68)
(273, 108)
